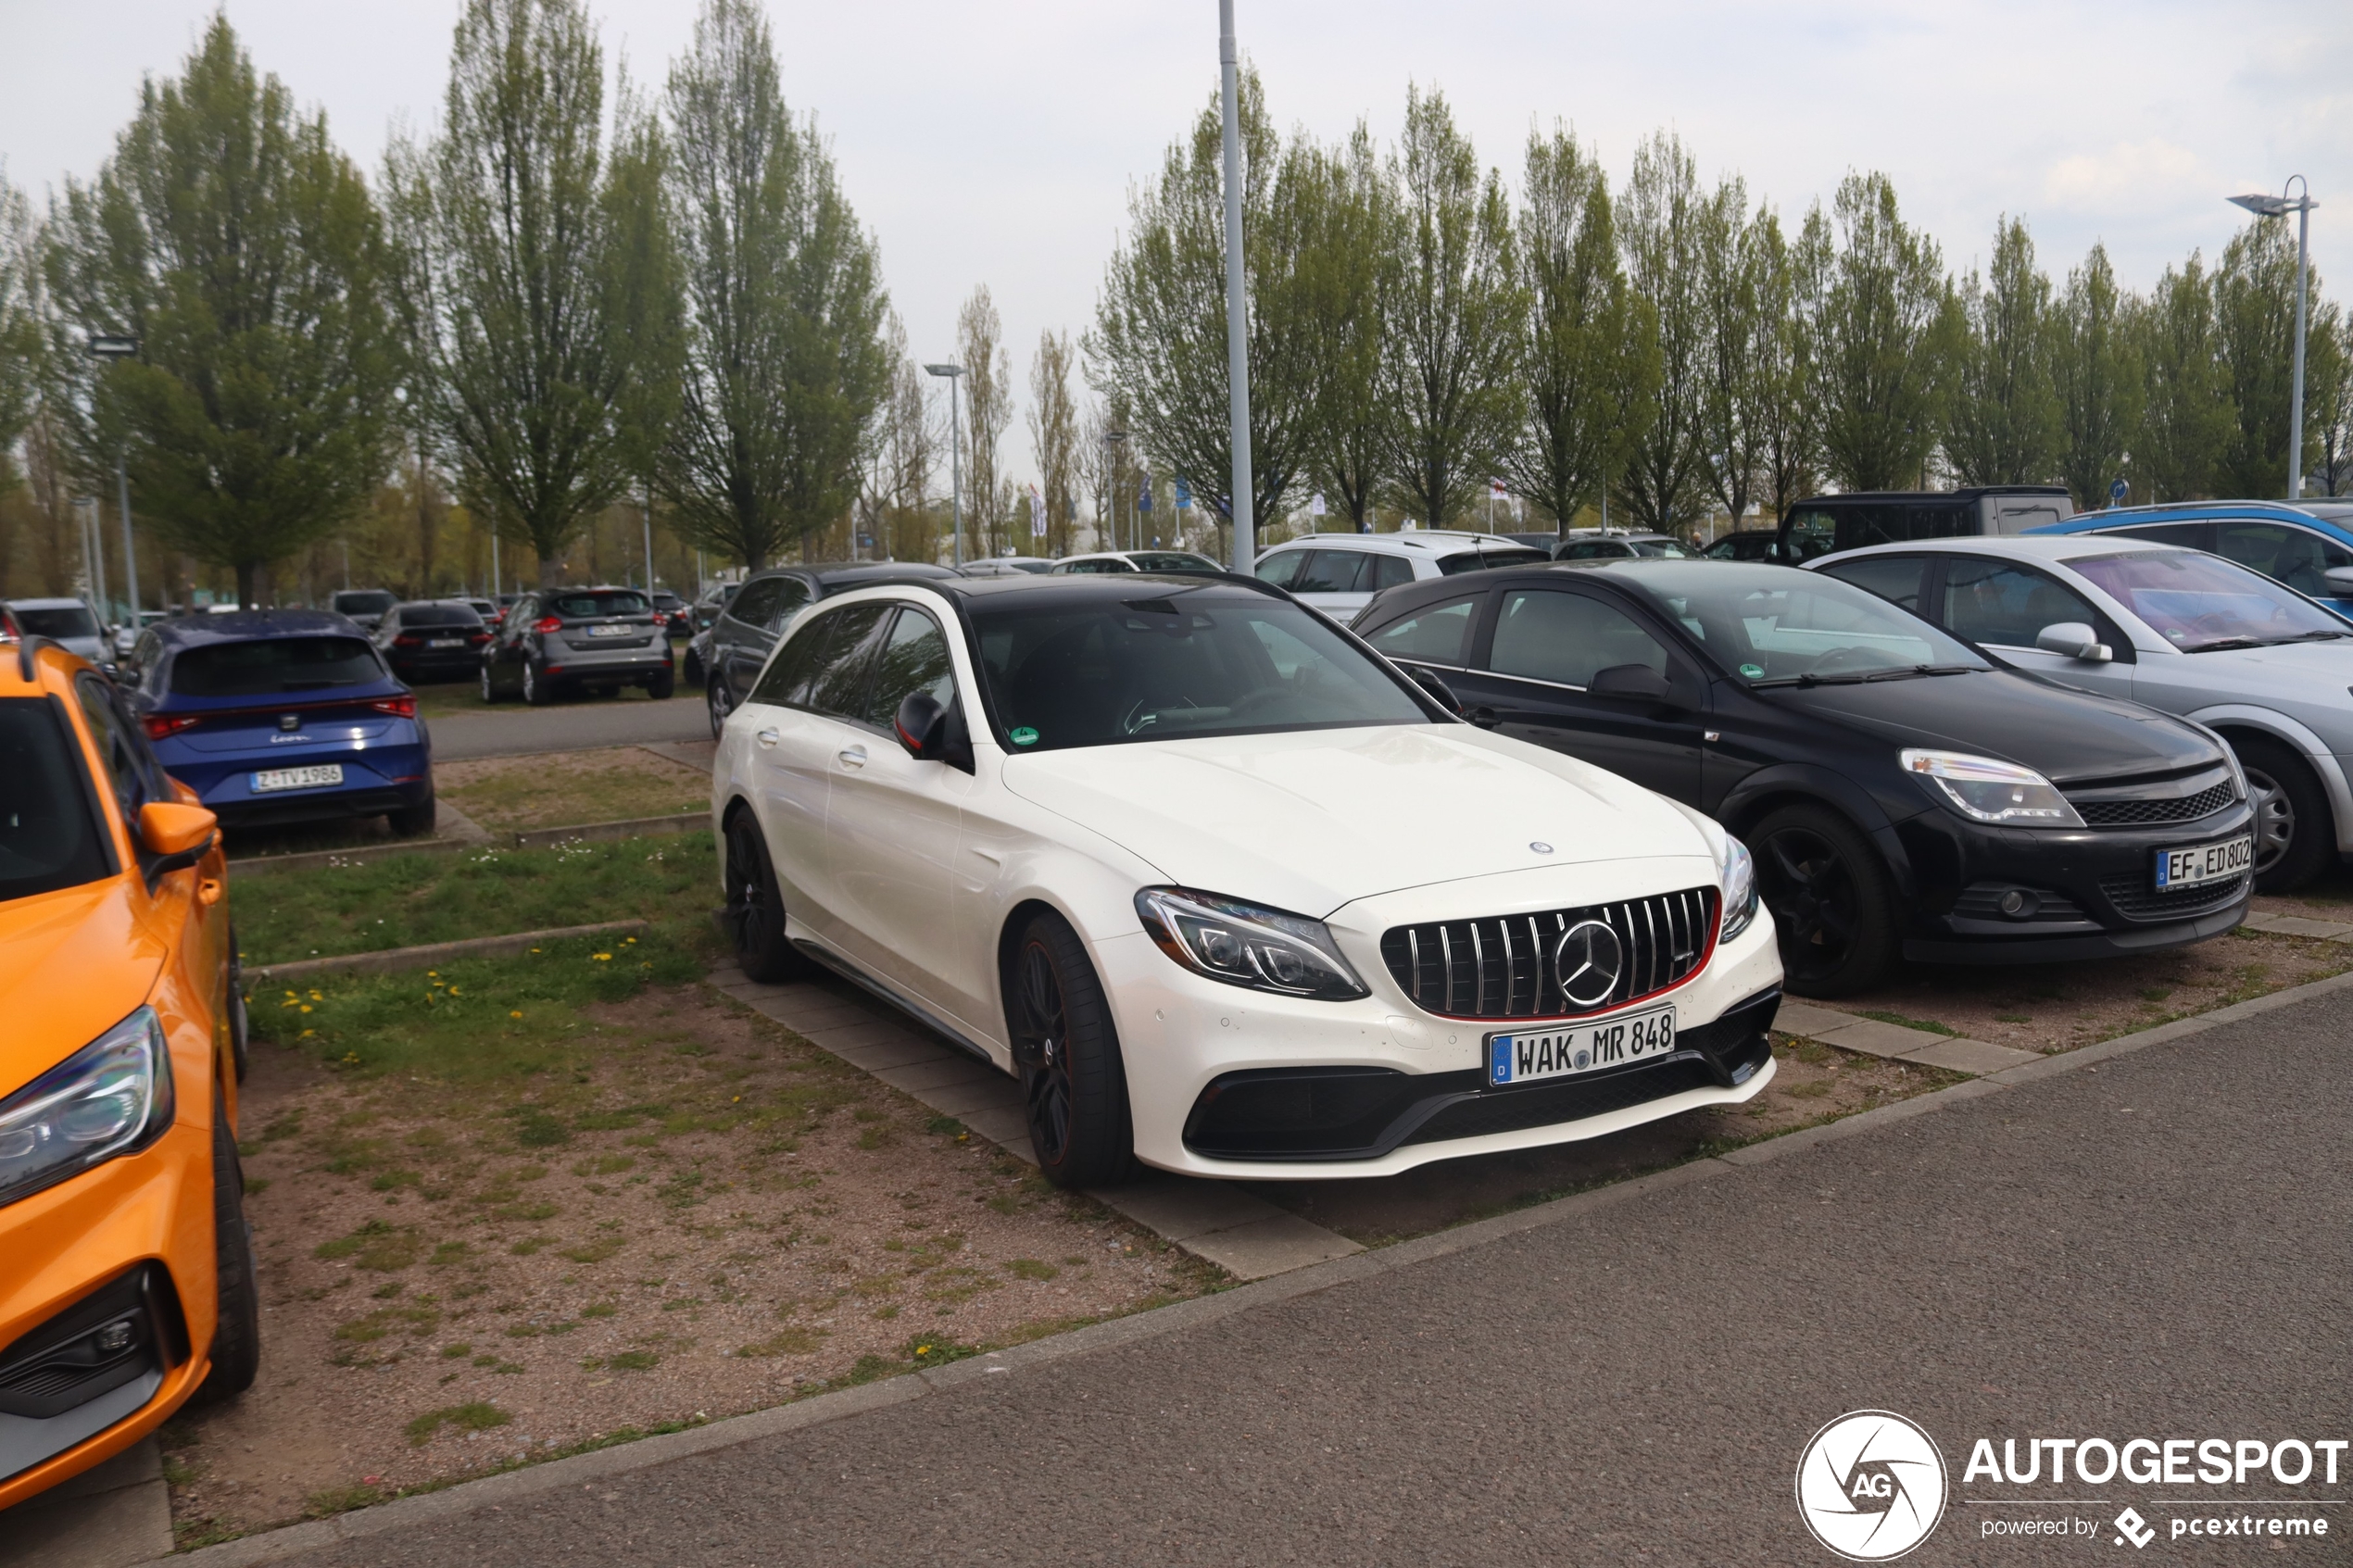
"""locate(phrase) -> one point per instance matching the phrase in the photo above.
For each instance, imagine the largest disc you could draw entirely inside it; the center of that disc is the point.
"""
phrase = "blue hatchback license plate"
(2205, 862)
(319, 777)
(1530, 1054)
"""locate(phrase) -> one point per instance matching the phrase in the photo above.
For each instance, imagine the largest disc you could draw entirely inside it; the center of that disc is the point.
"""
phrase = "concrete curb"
(556, 1474)
(391, 961)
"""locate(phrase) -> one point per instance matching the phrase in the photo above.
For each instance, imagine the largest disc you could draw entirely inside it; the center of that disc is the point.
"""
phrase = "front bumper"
(1400, 1088)
(2081, 893)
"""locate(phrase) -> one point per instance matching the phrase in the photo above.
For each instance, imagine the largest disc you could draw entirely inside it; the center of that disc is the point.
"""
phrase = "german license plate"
(610, 630)
(1530, 1054)
(445, 642)
(2206, 862)
(297, 778)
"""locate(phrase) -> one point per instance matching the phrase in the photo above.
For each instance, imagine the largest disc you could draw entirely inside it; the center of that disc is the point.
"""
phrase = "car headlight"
(1245, 944)
(1989, 791)
(110, 1098)
(1736, 873)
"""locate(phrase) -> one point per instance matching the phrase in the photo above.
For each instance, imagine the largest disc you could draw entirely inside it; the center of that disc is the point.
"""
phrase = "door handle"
(767, 738)
(1483, 717)
(852, 756)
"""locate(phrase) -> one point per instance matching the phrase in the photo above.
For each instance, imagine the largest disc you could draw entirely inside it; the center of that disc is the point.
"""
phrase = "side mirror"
(175, 836)
(1439, 692)
(932, 732)
(1636, 682)
(2340, 581)
(2072, 639)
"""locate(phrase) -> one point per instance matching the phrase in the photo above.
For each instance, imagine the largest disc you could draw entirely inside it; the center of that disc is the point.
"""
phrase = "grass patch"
(1930, 1024)
(474, 1415)
(616, 785)
(374, 1245)
(629, 1360)
(591, 1251)
(786, 1342)
(1030, 1268)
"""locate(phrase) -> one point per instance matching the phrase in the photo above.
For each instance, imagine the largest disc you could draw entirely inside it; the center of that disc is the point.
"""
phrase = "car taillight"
(398, 706)
(480, 637)
(162, 724)
(407, 640)
(548, 623)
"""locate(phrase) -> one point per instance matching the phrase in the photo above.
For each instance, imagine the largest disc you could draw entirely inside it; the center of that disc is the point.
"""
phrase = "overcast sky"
(996, 142)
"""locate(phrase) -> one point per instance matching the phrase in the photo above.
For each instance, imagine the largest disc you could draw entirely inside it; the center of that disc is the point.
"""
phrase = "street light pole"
(108, 349)
(955, 459)
(2266, 205)
(1237, 307)
(1115, 481)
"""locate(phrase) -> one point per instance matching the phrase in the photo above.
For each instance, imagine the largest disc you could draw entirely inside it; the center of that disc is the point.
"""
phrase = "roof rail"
(28, 649)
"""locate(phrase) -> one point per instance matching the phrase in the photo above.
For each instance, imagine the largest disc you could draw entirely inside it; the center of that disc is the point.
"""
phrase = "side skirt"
(874, 987)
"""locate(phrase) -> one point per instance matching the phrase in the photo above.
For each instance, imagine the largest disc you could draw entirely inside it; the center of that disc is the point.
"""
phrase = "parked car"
(124, 638)
(68, 623)
(675, 621)
(127, 1281)
(1746, 544)
(1905, 796)
(1822, 525)
(1101, 561)
(559, 640)
(489, 609)
(365, 606)
(1596, 545)
(2305, 547)
(713, 599)
(1338, 573)
(284, 716)
(1225, 893)
(759, 612)
(431, 640)
(2192, 634)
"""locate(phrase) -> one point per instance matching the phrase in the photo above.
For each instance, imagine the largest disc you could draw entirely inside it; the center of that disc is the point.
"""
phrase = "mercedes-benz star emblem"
(1587, 957)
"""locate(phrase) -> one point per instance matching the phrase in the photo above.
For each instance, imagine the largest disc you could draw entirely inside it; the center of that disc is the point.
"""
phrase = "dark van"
(1822, 525)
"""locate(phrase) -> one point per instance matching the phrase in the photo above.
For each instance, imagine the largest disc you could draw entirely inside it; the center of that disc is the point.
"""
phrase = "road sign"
(2117, 492)
(1184, 494)
(1144, 499)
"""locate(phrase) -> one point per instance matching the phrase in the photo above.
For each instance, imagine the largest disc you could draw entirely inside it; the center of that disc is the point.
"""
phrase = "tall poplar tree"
(2188, 416)
(1663, 222)
(1882, 325)
(2255, 335)
(2096, 375)
(1344, 202)
(2005, 421)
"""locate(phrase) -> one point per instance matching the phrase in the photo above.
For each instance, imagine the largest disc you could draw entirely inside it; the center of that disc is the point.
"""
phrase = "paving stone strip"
(1829, 1026)
(391, 961)
(1246, 1235)
(113, 1513)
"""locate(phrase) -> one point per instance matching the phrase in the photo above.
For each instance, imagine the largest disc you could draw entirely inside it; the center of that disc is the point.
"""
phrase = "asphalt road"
(512, 730)
(2156, 1246)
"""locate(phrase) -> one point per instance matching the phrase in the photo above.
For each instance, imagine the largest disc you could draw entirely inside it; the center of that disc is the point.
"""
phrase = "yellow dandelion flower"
(604, 958)
(431, 973)
(306, 1034)
(515, 1014)
(629, 939)
(306, 1007)
(923, 1349)
(453, 990)
(317, 997)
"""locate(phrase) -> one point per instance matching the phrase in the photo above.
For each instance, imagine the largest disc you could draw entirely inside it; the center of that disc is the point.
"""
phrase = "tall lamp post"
(2280, 207)
(111, 348)
(1237, 307)
(1115, 481)
(955, 458)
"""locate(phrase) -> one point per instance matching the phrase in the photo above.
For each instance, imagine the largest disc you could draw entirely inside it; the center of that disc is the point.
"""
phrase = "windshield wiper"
(2214, 643)
(1809, 678)
(2308, 637)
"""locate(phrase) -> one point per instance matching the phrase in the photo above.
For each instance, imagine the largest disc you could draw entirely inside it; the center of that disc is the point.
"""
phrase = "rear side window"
(1893, 578)
(1280, 567)
(270, 666)
(1331, 572)
(584, 605)
(1565, 638)
(792, 593)
(48, 840)
(1435, 635)
(1392, 571)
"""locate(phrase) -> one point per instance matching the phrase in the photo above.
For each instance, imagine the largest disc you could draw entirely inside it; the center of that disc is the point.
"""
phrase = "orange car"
(126, 1271)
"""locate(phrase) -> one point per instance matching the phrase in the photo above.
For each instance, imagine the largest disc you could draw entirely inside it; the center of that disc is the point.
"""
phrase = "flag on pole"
(1495, 491)
(1184, 494)
(1315, 504)
(1144, 498)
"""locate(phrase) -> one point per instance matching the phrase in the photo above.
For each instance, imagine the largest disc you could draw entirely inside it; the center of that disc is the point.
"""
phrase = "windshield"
(63, 622)
(627, 601)
(2197, 601)
(277, 664)
(1171, 561)
(363, 601)
(1773, 626)
(1667, 548)
(1174, 662)
(47, 838)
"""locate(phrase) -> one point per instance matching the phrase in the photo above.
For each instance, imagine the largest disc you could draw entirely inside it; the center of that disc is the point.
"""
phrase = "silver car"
(67, 621)
(2266, 668)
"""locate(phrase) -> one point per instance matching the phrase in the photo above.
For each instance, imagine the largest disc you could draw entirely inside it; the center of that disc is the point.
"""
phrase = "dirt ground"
(569, 788)
(455, 1284)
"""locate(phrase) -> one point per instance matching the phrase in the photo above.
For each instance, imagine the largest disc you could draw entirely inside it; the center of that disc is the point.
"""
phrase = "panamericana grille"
(1501, 966)
(2182, 809)
(2135, 899)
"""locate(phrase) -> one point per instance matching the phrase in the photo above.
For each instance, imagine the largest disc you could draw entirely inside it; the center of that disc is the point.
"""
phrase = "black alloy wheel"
(1073, 1083)
(1829, 896)
(720, 701)
(2293, 828)
(755, 908)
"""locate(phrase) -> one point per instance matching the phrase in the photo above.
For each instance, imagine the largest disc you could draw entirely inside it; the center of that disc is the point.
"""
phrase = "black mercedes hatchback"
(1904, 796)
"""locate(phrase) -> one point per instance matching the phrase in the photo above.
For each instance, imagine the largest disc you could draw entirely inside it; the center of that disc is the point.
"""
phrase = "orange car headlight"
(111, 1098)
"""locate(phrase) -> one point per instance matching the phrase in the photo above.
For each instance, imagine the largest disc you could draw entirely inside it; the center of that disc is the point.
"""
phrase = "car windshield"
(1773, 626)
(1174, 662)
(48, 840)
(1667, 547)
(611, 601)
(364, 601)
(267, 667)
(1171, 561)
(59, 622)
(2197, 602)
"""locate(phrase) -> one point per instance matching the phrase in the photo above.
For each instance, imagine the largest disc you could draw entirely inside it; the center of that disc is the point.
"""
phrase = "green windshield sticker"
(1754, 671)
(1027, 736)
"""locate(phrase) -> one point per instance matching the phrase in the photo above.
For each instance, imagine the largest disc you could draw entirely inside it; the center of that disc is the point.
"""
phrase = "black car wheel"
(662, 685)
(534, 686)
(720, 703)
(413, 822)
(236, 1334)
(1073, 1083)
(2293, 830)
(755, 909)
(1830, 895)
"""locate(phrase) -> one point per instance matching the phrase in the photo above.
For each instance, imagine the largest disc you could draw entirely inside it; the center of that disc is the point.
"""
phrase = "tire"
(414, 822)
(1833, 900)
(719, 702)
(2294, 831)
(755, 908)
(1073, 1082)
(489, 686)
(534, 687)
(662, 686)
(236, 1335)
(690, 669)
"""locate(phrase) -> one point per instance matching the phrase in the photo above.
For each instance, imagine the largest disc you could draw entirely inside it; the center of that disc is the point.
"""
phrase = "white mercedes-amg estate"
(1229, 892)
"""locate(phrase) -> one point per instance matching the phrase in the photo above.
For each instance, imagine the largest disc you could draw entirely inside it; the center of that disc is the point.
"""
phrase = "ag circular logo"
(1586, 958)
(1870, 1485)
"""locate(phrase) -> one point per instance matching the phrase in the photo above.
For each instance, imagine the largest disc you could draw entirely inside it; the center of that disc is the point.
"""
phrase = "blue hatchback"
(2306, 546)
(284, 716)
